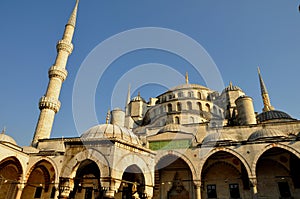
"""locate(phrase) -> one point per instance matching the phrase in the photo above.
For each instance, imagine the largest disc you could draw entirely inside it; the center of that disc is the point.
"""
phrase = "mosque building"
(189, 142)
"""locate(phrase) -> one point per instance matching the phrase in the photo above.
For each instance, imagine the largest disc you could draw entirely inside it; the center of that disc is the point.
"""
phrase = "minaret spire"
(49, 104)
(264, 93)
(72, 19)
(128, 95)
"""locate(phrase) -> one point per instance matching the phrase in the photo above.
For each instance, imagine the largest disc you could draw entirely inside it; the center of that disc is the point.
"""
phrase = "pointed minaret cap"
(72, 19)
(263, 87)
(264, 94)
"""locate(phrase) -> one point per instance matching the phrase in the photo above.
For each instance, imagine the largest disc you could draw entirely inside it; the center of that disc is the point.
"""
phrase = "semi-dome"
(110, 131)
(267, 134)
(7, 138)
(218, 137)
(273, 115)
(170, 128)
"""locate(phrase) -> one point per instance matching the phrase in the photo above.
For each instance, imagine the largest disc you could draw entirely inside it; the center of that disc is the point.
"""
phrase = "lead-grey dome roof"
(109, 131)
(273, 115)
(267, 134)
(218, 137)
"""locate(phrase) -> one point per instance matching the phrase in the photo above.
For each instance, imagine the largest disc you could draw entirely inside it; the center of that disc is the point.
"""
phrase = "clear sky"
(238, 35)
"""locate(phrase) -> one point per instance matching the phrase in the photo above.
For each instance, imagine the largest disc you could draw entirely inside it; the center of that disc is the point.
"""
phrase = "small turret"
(245, 111)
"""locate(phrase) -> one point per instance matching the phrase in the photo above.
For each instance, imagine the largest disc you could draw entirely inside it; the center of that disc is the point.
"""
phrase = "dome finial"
(264, 93)
(107, 117)
(72, 19)
(186, 78)
(3, 130)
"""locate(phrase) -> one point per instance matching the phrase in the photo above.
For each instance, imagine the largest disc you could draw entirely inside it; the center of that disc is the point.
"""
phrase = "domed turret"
(7, 138)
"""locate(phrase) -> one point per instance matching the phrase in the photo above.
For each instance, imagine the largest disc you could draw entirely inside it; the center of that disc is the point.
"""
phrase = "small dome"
(232, 88)
(138, 98)
(273, 115)
(269, 134)
(108, 131)
(6, 138)
(218, 137)
(170, 128)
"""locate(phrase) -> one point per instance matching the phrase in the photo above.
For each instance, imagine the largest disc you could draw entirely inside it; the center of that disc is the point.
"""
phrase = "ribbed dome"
(170, 128)
(218, 137)
(138, 98)
(232, 88)
(6, 138)
(108, 131)
(273, 115)
(268, 134)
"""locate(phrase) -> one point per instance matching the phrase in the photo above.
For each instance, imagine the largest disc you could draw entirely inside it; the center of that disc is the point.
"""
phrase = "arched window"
(161, 109)
(190, 94)
(180, 94)
(179, 106)
(189, 106)
(177, 121)
(220, 113)
(199, 95)
(199, 106)
(215, 110)
(207, 107)
(169, 107)
(163, 122)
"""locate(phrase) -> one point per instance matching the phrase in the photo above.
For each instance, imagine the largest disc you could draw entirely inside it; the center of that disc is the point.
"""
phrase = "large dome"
(189, 86)
(273, 115)
(109, 131)
(6, 138)
(267, 134)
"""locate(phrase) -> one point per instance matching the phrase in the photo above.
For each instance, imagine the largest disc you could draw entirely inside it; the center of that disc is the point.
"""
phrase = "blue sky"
(238, 35)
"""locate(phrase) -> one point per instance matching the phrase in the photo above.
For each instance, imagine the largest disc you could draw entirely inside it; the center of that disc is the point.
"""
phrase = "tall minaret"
(264, 94)
(49, 104)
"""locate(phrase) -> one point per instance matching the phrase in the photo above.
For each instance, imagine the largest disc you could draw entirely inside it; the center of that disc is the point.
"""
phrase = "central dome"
(109, 131)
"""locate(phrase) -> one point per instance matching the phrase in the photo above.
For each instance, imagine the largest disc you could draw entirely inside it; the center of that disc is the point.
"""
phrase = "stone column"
(253, 185)
(20, 190)
(198, 189)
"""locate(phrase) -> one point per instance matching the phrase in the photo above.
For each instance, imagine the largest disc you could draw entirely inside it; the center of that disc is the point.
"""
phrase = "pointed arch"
(230, 151)
(159, 156)
(270, 146)
(70, 168)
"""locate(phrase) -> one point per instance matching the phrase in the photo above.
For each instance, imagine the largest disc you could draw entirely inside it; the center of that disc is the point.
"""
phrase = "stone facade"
(190, 142)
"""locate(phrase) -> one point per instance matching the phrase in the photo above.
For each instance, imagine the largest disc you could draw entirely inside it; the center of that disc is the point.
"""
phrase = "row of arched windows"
(189, 106)
(190, 94)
